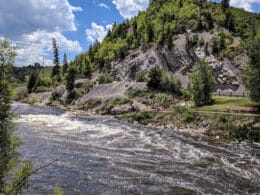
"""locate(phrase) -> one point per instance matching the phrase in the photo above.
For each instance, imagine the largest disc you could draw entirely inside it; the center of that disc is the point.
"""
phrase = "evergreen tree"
(155, 78)
(32, 82)
(56, 69)
(65, 64)
(202, 83)
(224, 4)
(88, 69)
(229, 21)
(150, 32)
(252, 71)
(70, 83)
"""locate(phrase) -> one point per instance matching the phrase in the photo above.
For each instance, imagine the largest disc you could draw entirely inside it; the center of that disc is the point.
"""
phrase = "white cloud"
(103, 5)
(33, 24)
(97, 32)
(25, 16)
(130, 8)
(37, 46)
(246, 4)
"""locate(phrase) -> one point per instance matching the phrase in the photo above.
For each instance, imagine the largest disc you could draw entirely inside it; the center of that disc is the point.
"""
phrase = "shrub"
(163, 81)
(32, 82)
(117, 101)
(180, 109)
(155, 78)
(20, 93)
(44, 82)
(92, 103)
(170, 85)
(41, 89)
(141, 77)
(105, 78)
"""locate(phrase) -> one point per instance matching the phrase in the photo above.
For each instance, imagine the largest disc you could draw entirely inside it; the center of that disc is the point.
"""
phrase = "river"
(101, 155)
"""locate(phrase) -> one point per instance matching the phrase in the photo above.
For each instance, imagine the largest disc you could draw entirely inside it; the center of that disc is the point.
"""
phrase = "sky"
(30, 25)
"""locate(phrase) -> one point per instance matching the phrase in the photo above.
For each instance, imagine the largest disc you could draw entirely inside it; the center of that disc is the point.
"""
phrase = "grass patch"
(115, 102)
(30, 100)
(221, 103)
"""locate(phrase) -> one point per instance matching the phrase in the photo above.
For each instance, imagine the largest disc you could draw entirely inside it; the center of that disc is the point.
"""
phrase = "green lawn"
(221, 103)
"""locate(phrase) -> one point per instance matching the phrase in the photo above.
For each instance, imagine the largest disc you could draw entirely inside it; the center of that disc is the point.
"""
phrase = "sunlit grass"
(222, 103)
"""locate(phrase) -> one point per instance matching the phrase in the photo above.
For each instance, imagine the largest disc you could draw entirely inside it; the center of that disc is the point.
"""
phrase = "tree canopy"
(202, 83)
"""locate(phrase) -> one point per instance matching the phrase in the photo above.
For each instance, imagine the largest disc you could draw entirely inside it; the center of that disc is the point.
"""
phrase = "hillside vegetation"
(163, 21)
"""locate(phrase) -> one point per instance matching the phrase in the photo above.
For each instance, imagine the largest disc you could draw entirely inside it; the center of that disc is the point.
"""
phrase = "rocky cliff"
(180, 60)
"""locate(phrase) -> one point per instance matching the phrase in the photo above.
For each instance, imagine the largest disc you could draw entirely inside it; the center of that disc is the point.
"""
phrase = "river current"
(101, 155)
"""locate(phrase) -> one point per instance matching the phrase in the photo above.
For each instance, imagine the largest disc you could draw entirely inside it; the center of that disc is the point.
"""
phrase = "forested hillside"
(161, 24)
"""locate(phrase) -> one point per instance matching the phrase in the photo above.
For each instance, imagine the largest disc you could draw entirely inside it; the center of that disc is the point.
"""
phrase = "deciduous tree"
(202, 83)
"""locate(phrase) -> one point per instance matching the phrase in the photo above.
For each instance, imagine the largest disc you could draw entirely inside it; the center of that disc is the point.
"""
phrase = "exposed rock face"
(180, 60)
(110, 91)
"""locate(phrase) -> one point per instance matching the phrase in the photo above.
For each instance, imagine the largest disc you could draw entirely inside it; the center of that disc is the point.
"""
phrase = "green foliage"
(170, 85)
(163, 81)
(20, 93)
(155, 78)
(186, 115)
(140, 77)
(58, 191)
(252, 72)
(163, 21)
(32, 82)
(202, 83)
(38, 84)
(8, 142)
(91, 103)
(141, 117)
(115, 102)
(235, 128)
(105, 78)
(70, 79)
(70, 83)
(224, 4)
(65, 64)
(21, 73)
(7, 56)
(219, 43)
(20, 179)
(56, 72)
(42, 89)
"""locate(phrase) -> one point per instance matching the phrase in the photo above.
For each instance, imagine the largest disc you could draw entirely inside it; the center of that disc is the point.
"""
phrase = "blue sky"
(75, 24)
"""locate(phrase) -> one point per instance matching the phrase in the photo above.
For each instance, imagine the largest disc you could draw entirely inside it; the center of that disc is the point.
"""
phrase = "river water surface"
(104, 156)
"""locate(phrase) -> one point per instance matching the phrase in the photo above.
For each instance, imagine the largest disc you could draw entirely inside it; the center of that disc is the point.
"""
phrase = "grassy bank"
(223, 103)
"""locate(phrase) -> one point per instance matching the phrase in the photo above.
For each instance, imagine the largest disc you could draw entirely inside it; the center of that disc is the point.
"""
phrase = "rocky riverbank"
(135, 103)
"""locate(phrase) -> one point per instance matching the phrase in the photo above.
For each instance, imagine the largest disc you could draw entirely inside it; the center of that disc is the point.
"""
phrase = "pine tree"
(65, 64)
(155, 78)
(88, 69)
(32, 82)
(70, 83)
(56, 69)
(224, 5)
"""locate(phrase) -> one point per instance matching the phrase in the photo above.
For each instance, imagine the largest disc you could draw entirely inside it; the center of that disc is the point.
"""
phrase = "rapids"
(101, 155)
